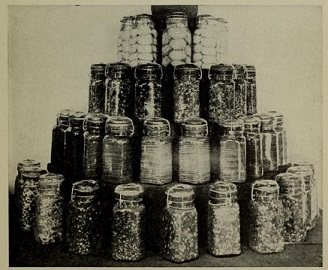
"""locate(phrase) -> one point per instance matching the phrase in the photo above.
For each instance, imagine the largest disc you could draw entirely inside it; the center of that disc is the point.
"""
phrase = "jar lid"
(177, 14)
(303, 163)
(113, 68)
(279, 117)
(194, 127)
(250, 71)
(127, 19)
(188, 69)
(148, 70)
(144, 17)
(131, 192)
(265, 119)
(77, 118)
(222, 69)
(264, 189)
(33, 172)
(100, 68)
(304, 171)
(63, 116)
(234, 125)
(120, 126)
(180, 193)
(95, 120)
(157, 126)
(239, 72)
(85, 188)
(21, 166)
(51, 180)
(205, 17)
(251, 120)
(223, 190)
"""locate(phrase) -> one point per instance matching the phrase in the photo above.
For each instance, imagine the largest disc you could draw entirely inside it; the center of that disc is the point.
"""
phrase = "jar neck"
(180, 205)
(98, 76)
(223, 201)
(252, 130)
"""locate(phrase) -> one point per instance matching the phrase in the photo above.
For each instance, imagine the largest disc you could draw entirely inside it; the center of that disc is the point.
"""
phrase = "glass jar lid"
(236, 125)
(264, 190)
(194, 127)
(96, 120)
(131, 192)
(279, 117)
(98, 68)
(21, 166)
(119, 126)
(51, 181)
(127, 20)
(251, 122)
(250, 71)
(33, 172)
(239, 72)
(221, 69)
(157, 126)
(77, 118)
(180, 193)
(177, 18)
(85, 188)
(266, 120)
(63, 117)
(187, 69)
(289, 183)
(149, 70)
(222, 193)
(305, 172)
(144, 19)
(303, 163)
(205, 20)
(115, 68)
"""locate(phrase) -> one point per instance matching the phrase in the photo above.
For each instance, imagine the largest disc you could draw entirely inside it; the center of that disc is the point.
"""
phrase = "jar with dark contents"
(94, 133)
(128, 229)
(223, 220)
(194, 152)
(291, 196)
(266, 218)
(186, 92)
(254, 156)
(233, 152)
(84, 231)
(124, 37)
(119, 91)
(240, 108)
(156, 152)
(117, 150)
(97, 89)
(251, 96)
(48, 222)
(180, 227)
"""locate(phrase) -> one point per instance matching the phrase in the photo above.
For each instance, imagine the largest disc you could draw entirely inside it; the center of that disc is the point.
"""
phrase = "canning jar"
(119, 91)
(186, 92)
(123, 48)
(222, 41)
(117, 150)
(48, 222)
(251, 100)
(194, 152)
(84, 229)
(94, 133)
(291, 196)
(233, 152)
(240, 108)
(143, 41)
(223, 220)
(97, 89)
(266, 217)
(176, 40)
(128, 231)
(180, 227)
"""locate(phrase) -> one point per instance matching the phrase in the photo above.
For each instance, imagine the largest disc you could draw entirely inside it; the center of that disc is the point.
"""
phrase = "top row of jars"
(137, 41)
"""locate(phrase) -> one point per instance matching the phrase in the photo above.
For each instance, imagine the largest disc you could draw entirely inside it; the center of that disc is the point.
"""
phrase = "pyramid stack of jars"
(213, 179)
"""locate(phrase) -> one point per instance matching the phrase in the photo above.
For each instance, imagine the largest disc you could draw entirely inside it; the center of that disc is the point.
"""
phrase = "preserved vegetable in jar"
(97, 89)
(223, 220)
(240, 108)
(128, 231)
(251, 96)
(124, 37)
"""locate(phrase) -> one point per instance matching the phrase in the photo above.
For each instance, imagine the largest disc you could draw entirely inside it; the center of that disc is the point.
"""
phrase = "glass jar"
(194, 152)
(186, 92)
(233, 152)
(128, 231)
(254, 155)
(223, 220)
(221, 93)
(143, 41)
(119, 93)
(123, 48)
(176, 40)
(240, 108)
(48, 222)
(291, 196)
(117, 150)
(180, 227)
(251, 99)
(84, 231)
(266, 218)
(94, 133)
(222, 41)
(155, 145)
(97, 89)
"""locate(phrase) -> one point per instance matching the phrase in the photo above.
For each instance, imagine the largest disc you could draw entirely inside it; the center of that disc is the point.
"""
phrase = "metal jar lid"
(119, 126)
(157, 126)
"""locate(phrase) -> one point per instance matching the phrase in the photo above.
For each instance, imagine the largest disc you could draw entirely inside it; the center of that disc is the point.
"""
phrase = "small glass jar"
(117, 150)
(84, 230)
(128, 231)
(251, 98)
(176, 40)
(240, 108)
(291, 196)
(186, 92)
(180, 225)
(266, 218)
(194, 152)
(97, 89)
(233, 152)
(49, 204)
(222, 41)
(94, 133)
(123, 48)
(156, 152)
(223, 220)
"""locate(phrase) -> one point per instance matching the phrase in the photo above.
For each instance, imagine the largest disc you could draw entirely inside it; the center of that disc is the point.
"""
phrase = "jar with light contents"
(123, 48)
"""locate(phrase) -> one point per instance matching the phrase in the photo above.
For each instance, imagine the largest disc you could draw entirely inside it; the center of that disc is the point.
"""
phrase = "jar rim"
(85, 186)
(96, 119)
(251, 120)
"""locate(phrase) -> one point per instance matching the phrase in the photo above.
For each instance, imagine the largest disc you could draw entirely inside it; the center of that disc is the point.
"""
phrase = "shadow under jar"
(97, 89)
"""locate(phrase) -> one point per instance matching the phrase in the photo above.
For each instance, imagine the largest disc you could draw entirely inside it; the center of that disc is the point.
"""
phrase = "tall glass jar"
(186, 92)
(251, 99)
(117, 150)
(233, 152)
(240, 108)
(180, 227)
(156, 152)
(123, 48)
(176, 40)
(49, 204)
(194, 152)
(94, 133)
(266, 218)
(84, 230)
(222, 41)
(97, 89)
(223, 220)
(128, 229)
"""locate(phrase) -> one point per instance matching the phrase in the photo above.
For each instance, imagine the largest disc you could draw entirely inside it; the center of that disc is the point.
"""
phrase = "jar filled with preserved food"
(233, 152)
(117, 151)
(186, 92)
(251, 100)
(156, 152)
(240, 108)
(94, 133)
(128, 231)
(266, 218)
(222, 41)
(123, 48)
(48, 222)
(180, 227)
(194, 152)
(291, 196)
(143, 41)
(84, 231)
(176, 40)
(97, 89)
(223, 220)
